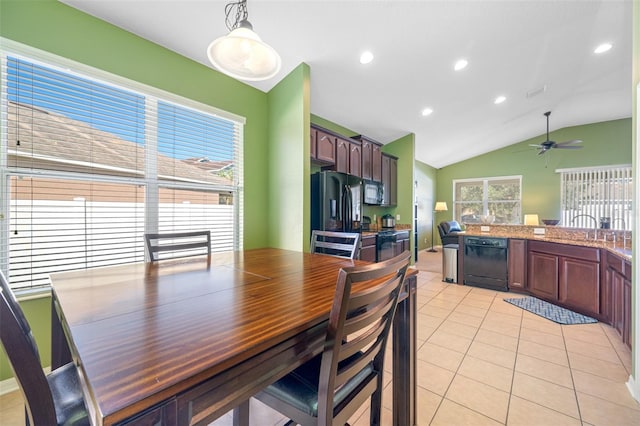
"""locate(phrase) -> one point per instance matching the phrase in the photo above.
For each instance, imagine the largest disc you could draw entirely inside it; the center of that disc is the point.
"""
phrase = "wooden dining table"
(182, 342)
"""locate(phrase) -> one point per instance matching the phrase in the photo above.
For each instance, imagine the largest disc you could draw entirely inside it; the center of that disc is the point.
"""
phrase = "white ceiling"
(513, 47)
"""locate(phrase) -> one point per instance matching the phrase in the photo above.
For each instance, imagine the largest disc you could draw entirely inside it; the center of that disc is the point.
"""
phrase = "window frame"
(151, 182)
(485, 181)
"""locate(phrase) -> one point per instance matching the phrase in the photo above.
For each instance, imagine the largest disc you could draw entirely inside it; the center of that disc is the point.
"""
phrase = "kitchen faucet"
(595, 224)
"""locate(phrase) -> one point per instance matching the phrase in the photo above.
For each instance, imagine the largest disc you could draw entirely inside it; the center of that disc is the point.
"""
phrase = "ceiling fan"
(549, 144)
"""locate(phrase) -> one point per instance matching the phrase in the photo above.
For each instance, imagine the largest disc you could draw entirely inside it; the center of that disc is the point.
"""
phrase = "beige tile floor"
(482, 361)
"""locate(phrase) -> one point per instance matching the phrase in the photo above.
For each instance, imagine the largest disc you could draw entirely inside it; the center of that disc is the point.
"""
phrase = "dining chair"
(328, 389)
(177, 244)
(340, 244)
(50, 399)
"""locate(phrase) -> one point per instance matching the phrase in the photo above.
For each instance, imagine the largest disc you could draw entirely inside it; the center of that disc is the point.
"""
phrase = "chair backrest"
(359, 323)
(22, 352)
(340, 244)
(177, 244)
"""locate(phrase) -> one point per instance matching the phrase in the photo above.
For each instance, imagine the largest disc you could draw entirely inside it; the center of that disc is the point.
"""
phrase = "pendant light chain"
(235, 13)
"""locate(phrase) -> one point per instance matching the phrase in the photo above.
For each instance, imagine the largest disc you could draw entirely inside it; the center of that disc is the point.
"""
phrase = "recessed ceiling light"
(427, 111)
(461, 64)
(603, 48)
(500, 99)
(366, 57)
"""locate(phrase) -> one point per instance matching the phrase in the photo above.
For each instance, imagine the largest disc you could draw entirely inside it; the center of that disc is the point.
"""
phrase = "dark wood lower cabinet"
(402, 242)
(565, 274)
(368, 248)
(543, 275)
(517, 265)
(579, 285)
(617, 295)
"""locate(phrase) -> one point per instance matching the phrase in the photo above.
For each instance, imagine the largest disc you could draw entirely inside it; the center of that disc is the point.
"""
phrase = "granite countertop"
(611, 240)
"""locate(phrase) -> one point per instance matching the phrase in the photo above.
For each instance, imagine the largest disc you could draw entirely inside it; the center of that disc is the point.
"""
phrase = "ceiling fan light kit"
(549, 144)
(242, 54)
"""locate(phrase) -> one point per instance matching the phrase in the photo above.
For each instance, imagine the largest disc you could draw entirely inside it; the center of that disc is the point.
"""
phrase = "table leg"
(60, 353)
(241, 414)
(404, 357)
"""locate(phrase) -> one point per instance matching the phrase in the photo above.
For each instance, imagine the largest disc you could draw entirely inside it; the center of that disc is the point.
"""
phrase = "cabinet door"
(313, 143)
(376, 162)
(368, 253)
(542, 275)
(355, 159)
(517, 265)
(325, 147)
(342, 156)
(393, 181)
(367, 152)
(618, 305)
(626, 315)
(580, 285)
(386, 179)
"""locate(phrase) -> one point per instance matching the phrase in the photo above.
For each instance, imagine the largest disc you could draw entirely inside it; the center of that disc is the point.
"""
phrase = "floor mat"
(550, 311)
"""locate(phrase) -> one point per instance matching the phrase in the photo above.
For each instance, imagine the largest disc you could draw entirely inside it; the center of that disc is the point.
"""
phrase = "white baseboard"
(10, 384)
(634, 388)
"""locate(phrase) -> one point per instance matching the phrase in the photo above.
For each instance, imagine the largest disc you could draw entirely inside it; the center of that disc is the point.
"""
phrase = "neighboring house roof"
(52, 141)
(210, 165)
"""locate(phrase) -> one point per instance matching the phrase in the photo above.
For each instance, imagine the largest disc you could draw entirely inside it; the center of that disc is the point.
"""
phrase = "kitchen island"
(585, 270)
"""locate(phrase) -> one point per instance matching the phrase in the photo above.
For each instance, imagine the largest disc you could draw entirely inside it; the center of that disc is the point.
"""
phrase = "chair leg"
(376, 404)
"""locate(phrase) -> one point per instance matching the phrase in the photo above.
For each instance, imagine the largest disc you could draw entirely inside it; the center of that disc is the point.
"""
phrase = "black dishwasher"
(485, 262)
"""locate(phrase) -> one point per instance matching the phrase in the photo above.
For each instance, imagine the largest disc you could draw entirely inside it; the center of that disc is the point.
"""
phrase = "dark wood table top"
(144, 332)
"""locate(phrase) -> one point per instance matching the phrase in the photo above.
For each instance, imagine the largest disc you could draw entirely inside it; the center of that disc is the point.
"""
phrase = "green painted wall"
(604, 143)
(64, 31)
(38, 313)
(289, 161)
(425, 177)
(330, 125)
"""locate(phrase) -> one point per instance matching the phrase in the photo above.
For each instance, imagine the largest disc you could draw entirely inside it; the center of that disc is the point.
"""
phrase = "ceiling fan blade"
(568, 147)
(542, 151)
(569, 142)
(536, 145)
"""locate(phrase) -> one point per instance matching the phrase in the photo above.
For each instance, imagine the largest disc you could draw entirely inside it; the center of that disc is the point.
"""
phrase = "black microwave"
(373, 192)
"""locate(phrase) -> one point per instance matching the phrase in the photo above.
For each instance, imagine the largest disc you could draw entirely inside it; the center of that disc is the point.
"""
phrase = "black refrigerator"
(336, 202)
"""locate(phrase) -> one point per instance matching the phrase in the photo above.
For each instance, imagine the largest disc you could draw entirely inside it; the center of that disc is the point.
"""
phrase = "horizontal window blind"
(89, 167)
(592, 195)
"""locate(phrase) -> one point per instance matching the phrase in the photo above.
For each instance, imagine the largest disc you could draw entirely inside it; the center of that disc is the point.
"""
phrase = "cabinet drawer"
(615, 262)
(585, 253)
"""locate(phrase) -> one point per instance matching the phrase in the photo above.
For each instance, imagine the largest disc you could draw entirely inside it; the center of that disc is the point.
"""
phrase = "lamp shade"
(242, 54)
(441, 206)
(531, 219)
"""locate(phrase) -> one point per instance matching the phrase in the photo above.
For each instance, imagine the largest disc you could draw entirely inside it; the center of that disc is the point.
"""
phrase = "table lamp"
(531, 219)
(441, 206)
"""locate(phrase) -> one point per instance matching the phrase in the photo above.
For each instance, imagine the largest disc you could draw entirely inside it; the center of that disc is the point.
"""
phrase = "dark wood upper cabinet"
(371, 158)
(376, 163)
(343, 148)
(313, 143)
(355, 159)
(367, 152)
(390, 180)
(325, 147)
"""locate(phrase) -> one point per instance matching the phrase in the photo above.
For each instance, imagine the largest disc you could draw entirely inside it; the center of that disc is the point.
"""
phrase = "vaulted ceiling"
(539, 55)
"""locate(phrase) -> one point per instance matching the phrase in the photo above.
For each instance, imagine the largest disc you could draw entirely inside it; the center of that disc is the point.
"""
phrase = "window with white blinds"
(597, 197)
(89, 166)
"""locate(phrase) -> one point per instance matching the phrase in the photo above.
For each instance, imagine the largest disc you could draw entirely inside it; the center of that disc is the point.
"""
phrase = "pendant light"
(241, 53)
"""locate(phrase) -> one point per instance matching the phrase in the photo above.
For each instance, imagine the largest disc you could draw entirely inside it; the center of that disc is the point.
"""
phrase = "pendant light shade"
(242, 54)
